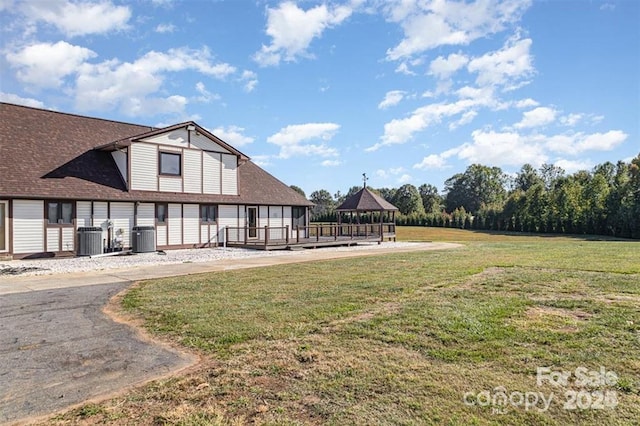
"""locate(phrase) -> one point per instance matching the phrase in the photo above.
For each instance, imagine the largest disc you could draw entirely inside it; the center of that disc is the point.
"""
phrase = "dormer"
(184, 158)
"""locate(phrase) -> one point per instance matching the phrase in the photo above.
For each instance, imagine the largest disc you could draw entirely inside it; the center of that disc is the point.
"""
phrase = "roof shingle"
(48, 154)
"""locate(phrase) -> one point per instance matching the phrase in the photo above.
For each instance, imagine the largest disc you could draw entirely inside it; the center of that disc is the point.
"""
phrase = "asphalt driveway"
(57, 349)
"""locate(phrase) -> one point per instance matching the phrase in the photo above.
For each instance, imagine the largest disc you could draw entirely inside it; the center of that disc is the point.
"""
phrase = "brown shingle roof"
(366, 201)
(47, 154)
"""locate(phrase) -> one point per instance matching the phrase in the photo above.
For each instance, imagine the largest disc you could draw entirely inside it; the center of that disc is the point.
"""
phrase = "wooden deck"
(309, 237)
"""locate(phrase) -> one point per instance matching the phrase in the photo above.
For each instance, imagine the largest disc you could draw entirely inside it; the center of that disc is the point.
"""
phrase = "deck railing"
(285, 235)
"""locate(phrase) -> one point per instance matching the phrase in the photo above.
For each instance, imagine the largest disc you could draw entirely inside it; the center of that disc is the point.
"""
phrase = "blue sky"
(320, 92)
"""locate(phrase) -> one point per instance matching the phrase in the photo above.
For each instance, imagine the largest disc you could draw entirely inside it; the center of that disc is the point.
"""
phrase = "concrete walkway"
(20, 284)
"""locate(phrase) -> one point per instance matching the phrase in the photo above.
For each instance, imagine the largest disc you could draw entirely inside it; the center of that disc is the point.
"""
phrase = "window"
(170, 164)
(161, 213)
(59, 213)
(207, 213)
(298, 215)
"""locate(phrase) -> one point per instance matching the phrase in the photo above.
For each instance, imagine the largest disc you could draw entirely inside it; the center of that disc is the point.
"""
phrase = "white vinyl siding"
(170, 184)
(177, 138)
(192, 171)
(68, 239)
(227, 216)
(53, 239)
(100, 218)
(146, 214)
(263, 216)
(28, 229)
(83, 213)
(204, 143)
(191, 223)
(175, 224)
(144, 167)
(275, 221)
(211, 176)
(208, 234)
(229, 174)
(122, 217)
(120, 158)
(161, 235)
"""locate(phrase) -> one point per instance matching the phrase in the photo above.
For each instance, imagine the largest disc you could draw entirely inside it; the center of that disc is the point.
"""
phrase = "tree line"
(603, 201)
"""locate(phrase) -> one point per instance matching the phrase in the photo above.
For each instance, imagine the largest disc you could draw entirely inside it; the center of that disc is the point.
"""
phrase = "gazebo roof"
(366, 201)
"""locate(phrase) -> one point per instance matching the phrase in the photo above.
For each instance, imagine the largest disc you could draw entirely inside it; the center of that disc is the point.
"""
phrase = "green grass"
(399, 338)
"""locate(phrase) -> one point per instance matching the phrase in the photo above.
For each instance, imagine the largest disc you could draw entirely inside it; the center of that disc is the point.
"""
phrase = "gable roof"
(112, 146)
(48, 154)
(366, 201)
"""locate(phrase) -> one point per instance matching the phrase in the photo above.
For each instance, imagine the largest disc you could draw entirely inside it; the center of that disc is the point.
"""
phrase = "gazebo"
(363, 206)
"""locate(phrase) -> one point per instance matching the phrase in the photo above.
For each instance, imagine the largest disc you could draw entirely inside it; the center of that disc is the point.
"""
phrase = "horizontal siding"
(122, 217)
(53, 239)
(100, 216)
(192, 172)
(83, 213)
(227, 216)
(144, 167)
(68, 239)
(176, 138)
(229, 174)
(161, 235)
(191, 223)
(28, 226)
(175, 224)
(172, 184)
(211, 173)
(201, 141)
(146, 214)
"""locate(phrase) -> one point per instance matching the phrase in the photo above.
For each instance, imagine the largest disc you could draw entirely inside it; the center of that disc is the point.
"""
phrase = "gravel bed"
(86, 264)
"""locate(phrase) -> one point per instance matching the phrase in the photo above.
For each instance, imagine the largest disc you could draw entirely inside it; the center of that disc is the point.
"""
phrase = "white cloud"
(401, 130)
(403, 68)
(19, 100)
(262, 160)
(571, 119)
(431, 161)
(292, 30)
(502, 149)
(526, 103)
(427, 25)
(537, 117)
(391, 98)
(78, 18)
(130, 86)
(165, 28)
(466, 118)
(6, 5)
(250, 80)
(330, 163)
(572, 166)
(510, 67)
(233, 135)
(442, 67)
(404, 178)
(575, 143)
(46, 64)
(291, 139)
(205, 95)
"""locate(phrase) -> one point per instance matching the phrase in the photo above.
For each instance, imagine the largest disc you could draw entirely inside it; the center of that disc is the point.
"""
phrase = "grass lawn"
(408, 338)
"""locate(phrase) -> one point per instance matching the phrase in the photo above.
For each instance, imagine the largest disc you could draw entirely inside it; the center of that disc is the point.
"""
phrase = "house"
(60, 172)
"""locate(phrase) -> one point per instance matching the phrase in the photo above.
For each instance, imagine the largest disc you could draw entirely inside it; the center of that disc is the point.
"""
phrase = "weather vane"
(365, 179)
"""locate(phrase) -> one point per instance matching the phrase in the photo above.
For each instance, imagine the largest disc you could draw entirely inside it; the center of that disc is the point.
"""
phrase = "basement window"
(59, 213)
(170, 164)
